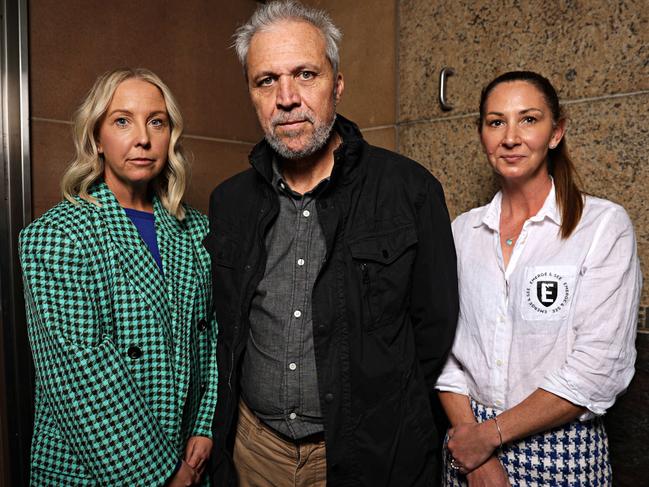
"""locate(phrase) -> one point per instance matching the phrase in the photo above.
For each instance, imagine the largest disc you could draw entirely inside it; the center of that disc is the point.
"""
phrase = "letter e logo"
(547, 292)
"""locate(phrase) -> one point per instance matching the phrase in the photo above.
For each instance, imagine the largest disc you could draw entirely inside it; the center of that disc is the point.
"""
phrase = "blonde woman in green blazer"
(119, 310)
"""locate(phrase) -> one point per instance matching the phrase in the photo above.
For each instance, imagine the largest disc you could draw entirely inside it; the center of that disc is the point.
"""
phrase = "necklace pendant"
(509, 242)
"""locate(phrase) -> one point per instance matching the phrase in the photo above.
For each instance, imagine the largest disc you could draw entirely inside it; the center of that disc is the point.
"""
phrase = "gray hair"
(282, 10)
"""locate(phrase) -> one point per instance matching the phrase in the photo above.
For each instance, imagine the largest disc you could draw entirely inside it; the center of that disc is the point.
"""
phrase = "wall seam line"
(217, 139)
(568, 102)
(186, 136)
(397, 63)
(213, 139)
(378, 127)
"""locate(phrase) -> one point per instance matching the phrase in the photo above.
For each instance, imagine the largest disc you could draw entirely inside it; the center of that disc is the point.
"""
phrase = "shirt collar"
(491, 212)
(281, 186)
(549, 209)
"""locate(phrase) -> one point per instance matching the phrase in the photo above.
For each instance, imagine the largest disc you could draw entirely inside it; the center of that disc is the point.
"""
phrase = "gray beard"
(318, 140)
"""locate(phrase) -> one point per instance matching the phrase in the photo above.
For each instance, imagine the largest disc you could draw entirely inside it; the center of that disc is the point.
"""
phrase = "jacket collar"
(111, 209)
(346, 156)
(490, 216)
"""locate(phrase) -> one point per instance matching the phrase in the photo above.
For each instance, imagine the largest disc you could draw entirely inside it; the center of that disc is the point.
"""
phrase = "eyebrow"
(522, 112)
(296, 69)
(128, 112)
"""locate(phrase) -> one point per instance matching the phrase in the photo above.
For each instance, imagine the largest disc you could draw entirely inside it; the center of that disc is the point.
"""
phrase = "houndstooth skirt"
(575, 455)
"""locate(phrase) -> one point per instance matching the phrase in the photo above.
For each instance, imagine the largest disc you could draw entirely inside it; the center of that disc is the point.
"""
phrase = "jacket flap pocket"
(386, 246)
(221, 248)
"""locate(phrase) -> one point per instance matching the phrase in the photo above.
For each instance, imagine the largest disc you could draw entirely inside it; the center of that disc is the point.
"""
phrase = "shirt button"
(297, 313)
(292, 416)
(300, 262)
(499, 362)
(501, 319)
(498, 403)
(292, 366)
(329, 397)
(306, 213)
(282, 185)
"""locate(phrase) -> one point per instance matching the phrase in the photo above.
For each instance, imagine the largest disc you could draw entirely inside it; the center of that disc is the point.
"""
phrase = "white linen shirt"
(561, 317)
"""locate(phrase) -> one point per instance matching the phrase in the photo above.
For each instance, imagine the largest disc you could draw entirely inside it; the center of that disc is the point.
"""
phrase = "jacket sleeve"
(434, 294)
(84, 380)
(203, 424)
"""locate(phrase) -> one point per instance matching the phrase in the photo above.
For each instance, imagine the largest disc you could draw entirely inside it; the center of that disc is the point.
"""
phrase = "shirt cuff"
(559, 386)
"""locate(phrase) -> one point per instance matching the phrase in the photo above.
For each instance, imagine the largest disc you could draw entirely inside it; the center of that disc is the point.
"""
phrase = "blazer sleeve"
(84, 380)
(205, 417)
(434, 292)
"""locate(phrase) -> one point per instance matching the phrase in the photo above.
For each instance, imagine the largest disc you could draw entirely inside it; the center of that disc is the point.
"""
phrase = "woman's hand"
(490, 474)
(471, 444)
(198, 452)
(186, 476)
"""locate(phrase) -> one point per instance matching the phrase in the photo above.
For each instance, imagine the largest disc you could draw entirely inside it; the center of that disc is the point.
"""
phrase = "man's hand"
(490, 474)
(197, 453)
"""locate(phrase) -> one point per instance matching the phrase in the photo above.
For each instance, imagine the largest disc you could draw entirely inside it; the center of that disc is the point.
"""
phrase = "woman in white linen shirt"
(549, 287)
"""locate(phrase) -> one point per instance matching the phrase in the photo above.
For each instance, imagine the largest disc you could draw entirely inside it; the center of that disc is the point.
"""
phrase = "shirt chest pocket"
(548, 292)
(383, 265)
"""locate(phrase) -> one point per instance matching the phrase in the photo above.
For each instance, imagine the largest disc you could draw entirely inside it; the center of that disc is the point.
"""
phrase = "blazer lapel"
(131, 253)
(177, 251)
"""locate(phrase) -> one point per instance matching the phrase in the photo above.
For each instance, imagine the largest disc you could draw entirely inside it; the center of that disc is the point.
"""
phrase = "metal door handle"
(443, 74)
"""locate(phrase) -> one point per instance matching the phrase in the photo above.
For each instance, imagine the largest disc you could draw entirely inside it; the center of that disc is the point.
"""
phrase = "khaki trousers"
(263, 459)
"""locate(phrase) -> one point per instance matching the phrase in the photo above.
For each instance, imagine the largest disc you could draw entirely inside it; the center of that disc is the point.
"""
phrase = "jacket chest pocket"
(383, 263)
(222, 248)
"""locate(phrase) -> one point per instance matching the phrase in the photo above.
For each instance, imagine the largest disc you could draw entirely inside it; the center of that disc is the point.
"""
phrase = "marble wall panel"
(452, 152)
(212, 163)
(367, 58)
(587, 48)
(382, 137)
(186, 43)
(52, 150)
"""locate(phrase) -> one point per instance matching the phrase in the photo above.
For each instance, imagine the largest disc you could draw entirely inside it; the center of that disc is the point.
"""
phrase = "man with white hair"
(334, 282)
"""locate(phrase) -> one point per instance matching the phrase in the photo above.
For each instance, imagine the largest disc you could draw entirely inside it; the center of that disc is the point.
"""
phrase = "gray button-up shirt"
(279, 380)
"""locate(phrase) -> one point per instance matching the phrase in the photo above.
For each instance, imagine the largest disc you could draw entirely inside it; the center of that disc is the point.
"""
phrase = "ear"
(557, 133)
(100, 149)
(339, 87)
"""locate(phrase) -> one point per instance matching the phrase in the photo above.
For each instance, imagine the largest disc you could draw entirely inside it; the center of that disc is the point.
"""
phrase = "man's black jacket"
(385, 307)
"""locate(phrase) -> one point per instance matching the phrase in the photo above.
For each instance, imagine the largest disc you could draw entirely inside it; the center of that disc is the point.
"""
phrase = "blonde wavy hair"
(88, 165)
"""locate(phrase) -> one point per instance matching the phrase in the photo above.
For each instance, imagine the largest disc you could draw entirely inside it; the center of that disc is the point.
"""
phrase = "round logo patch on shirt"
(548, 292)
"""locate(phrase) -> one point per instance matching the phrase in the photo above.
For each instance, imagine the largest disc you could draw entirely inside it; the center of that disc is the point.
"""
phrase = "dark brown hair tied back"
(570, 198)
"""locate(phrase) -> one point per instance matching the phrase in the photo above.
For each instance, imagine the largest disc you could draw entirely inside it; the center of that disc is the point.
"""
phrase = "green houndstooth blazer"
(125, 359)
